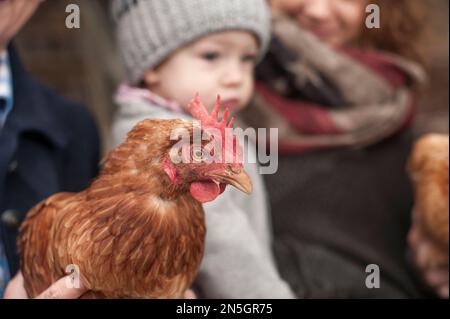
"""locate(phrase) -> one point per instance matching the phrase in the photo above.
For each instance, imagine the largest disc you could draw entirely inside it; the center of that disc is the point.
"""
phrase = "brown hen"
(429, 170)
(138, 231)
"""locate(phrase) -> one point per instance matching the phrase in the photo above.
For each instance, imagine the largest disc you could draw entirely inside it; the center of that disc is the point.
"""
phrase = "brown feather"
(429, 170)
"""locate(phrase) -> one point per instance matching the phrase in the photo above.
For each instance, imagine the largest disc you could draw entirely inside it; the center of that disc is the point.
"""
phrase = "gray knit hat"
(149, 31)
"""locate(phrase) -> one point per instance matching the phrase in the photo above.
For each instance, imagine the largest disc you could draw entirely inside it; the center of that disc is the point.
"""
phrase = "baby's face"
(336, 22)
(220, 63)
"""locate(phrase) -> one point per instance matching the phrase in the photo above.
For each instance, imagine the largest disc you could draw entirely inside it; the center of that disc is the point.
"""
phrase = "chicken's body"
(120, 223)
(429, 170)
(138, 230)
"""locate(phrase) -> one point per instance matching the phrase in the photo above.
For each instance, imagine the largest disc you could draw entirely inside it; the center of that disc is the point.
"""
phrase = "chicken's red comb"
(200, 113)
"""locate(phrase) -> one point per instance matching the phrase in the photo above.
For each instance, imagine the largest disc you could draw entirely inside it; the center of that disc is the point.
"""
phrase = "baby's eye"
(210, 56)
(249, 58)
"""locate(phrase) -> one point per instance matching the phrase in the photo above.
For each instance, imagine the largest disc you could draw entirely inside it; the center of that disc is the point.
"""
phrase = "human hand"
(58, 290)
(435, 275)
(189, 294)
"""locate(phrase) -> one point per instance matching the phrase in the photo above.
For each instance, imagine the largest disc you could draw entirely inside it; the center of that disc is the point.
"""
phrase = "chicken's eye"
(197, 155)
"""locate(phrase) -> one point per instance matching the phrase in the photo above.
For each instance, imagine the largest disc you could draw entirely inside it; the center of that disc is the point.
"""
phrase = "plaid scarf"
(319, 97)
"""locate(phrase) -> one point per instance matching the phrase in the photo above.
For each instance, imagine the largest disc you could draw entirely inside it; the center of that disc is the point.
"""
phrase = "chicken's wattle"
(206, 191)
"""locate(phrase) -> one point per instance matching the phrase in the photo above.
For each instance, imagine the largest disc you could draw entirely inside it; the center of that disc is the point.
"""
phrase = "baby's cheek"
(205, 85)
(248, 91)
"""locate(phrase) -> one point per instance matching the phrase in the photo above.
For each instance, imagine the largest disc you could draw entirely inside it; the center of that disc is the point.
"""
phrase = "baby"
(171, 50)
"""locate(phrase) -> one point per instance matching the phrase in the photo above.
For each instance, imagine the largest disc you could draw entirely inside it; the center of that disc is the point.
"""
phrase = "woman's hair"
(402, 31)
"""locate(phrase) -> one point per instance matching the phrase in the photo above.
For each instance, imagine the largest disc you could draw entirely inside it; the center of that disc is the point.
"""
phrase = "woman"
(341, 199)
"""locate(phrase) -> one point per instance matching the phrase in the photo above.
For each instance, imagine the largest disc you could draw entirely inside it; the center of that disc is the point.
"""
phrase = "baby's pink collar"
(127, 93)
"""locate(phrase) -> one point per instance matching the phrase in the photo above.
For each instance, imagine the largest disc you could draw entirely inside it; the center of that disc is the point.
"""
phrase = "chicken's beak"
(241, 180)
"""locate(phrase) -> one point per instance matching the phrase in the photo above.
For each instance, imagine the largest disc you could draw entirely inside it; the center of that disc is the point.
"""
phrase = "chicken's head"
(211, 159)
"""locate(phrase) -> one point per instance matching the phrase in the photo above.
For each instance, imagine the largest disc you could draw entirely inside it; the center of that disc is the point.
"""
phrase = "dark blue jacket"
(47, 145)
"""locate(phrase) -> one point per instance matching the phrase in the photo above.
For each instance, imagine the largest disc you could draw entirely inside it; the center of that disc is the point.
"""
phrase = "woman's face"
(13, 15)
(336, 22)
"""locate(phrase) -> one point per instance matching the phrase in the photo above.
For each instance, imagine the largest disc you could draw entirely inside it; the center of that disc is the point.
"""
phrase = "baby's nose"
(233, 75)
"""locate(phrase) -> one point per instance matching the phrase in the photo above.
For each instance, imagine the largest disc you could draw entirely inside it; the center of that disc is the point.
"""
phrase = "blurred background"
(83, 64)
